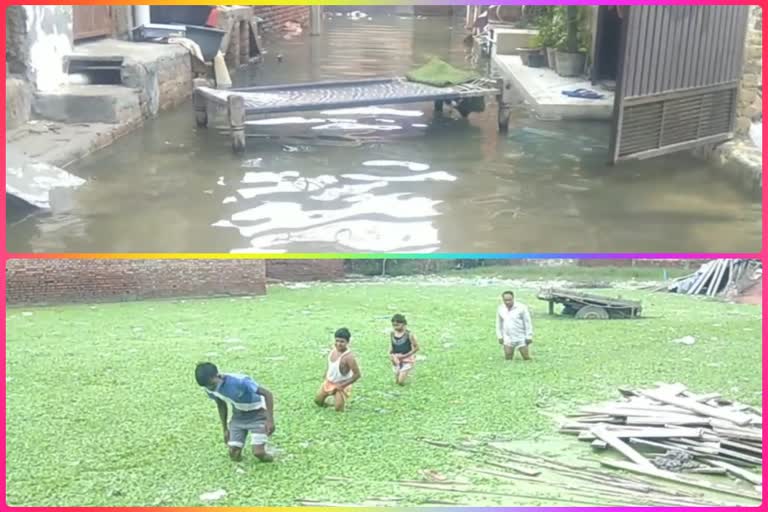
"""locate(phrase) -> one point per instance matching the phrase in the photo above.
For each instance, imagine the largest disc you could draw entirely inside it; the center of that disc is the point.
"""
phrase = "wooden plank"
(703, 398)
(707, 452)
(743, 435)
(672, 421)
(667, 475)
(693, 405)
(656, 433)
(654, 444)
(734, 455)
(749, 476)
(635, 410)
(613, 440)
(707, 471)
(516, 469)
(741, 446)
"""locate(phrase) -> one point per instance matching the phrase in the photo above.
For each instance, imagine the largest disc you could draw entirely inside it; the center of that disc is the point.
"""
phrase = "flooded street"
(386, 179)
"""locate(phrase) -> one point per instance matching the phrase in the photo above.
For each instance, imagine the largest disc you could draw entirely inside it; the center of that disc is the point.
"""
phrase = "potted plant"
(570, 56)
(551, 32)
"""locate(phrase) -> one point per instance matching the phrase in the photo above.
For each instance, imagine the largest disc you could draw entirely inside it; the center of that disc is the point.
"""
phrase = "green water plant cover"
(439, 73)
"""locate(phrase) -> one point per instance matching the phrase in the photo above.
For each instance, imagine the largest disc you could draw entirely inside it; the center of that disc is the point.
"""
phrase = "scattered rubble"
(717, 278)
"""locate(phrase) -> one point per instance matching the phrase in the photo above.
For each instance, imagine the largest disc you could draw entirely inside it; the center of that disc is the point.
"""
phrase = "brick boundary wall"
(275, 16)
(692, 264)
(305, 270)
(41, 281)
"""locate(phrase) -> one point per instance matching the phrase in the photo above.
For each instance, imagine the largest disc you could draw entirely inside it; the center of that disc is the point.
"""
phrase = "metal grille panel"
(679, 78)
(653, 125)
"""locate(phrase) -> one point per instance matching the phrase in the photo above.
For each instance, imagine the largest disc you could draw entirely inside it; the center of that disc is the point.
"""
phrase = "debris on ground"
(675, 461)
(505, 476)
(685, 340)
(693, 433)
(715, 278)
(213, 495)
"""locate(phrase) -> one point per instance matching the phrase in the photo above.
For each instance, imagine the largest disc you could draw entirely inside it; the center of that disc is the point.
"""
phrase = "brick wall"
(41, 281)
(693, 264)
(750, 100)
(305, 270)
(275, 15)
(174, 76)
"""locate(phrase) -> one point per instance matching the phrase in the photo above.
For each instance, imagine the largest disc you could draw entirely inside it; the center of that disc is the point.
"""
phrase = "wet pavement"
(385, 179)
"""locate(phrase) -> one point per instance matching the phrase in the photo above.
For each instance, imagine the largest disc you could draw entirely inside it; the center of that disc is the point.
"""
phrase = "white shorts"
(515, 344)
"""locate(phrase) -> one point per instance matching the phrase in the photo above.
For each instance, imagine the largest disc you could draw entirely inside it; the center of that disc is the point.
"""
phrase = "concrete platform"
(62, 144)
(89, 104)
(542, 89)
(38, 184)
(143, 53)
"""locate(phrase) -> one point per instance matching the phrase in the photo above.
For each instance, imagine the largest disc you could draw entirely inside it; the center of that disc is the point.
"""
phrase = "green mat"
(439, 73)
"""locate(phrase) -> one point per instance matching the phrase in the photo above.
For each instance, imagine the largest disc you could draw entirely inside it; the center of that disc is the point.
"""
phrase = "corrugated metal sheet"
(679, 77)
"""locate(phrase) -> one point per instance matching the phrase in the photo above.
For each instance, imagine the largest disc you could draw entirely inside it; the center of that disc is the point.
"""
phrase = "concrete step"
(89, 104)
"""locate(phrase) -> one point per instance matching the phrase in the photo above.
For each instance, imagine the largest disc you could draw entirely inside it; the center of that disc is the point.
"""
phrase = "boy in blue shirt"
(252, 407)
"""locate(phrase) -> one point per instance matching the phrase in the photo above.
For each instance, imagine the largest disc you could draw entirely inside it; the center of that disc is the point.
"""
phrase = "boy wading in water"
(403, 348)
(341, 374)
(513, 327)
(252, 407)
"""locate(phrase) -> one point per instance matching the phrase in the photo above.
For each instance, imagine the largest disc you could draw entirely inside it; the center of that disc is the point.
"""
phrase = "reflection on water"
(385, 179)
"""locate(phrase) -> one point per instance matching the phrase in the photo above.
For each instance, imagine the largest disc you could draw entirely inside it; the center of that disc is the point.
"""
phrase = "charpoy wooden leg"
(236, 111)
(201, 109)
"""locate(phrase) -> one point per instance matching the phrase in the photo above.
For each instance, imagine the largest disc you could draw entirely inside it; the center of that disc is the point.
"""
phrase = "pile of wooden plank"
(716, 278)
(668, 430)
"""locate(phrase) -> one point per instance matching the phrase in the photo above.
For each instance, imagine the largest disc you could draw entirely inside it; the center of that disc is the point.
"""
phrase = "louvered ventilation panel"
(655, 125)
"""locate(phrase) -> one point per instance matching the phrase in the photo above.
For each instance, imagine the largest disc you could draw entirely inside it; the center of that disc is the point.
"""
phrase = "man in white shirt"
(514, 328)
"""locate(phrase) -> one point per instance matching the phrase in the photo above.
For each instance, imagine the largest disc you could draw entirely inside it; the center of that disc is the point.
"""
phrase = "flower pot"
(551, 62)
(537, 60)
(570, 64)
(526, 53)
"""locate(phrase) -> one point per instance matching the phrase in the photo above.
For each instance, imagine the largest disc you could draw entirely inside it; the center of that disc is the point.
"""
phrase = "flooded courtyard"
(386, 179)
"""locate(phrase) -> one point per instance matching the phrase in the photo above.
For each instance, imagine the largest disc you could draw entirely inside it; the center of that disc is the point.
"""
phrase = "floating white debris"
(413, 166)
(213, 496)
(685, 340)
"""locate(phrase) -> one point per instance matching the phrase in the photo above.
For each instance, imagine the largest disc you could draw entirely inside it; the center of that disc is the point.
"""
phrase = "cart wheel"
(592, 313)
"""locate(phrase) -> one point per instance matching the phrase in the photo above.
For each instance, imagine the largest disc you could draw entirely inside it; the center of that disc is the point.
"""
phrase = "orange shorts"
(331, 388)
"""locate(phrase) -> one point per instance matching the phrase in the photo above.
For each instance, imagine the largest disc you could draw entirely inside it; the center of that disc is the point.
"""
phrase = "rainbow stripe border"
(6, 256)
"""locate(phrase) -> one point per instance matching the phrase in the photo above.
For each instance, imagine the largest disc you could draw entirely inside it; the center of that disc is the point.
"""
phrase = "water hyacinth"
(103, 409)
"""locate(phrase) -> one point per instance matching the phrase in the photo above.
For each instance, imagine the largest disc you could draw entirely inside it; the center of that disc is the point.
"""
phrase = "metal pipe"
(315, 20)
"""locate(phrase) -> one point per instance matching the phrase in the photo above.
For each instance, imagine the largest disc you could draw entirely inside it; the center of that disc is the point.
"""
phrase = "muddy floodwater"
(386, 179)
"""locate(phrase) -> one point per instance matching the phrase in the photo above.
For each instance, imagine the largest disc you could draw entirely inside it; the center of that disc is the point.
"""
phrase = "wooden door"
(91, 21)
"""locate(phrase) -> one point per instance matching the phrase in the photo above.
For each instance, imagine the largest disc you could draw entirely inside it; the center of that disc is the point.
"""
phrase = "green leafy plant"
(551, 30)
(572, 28)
